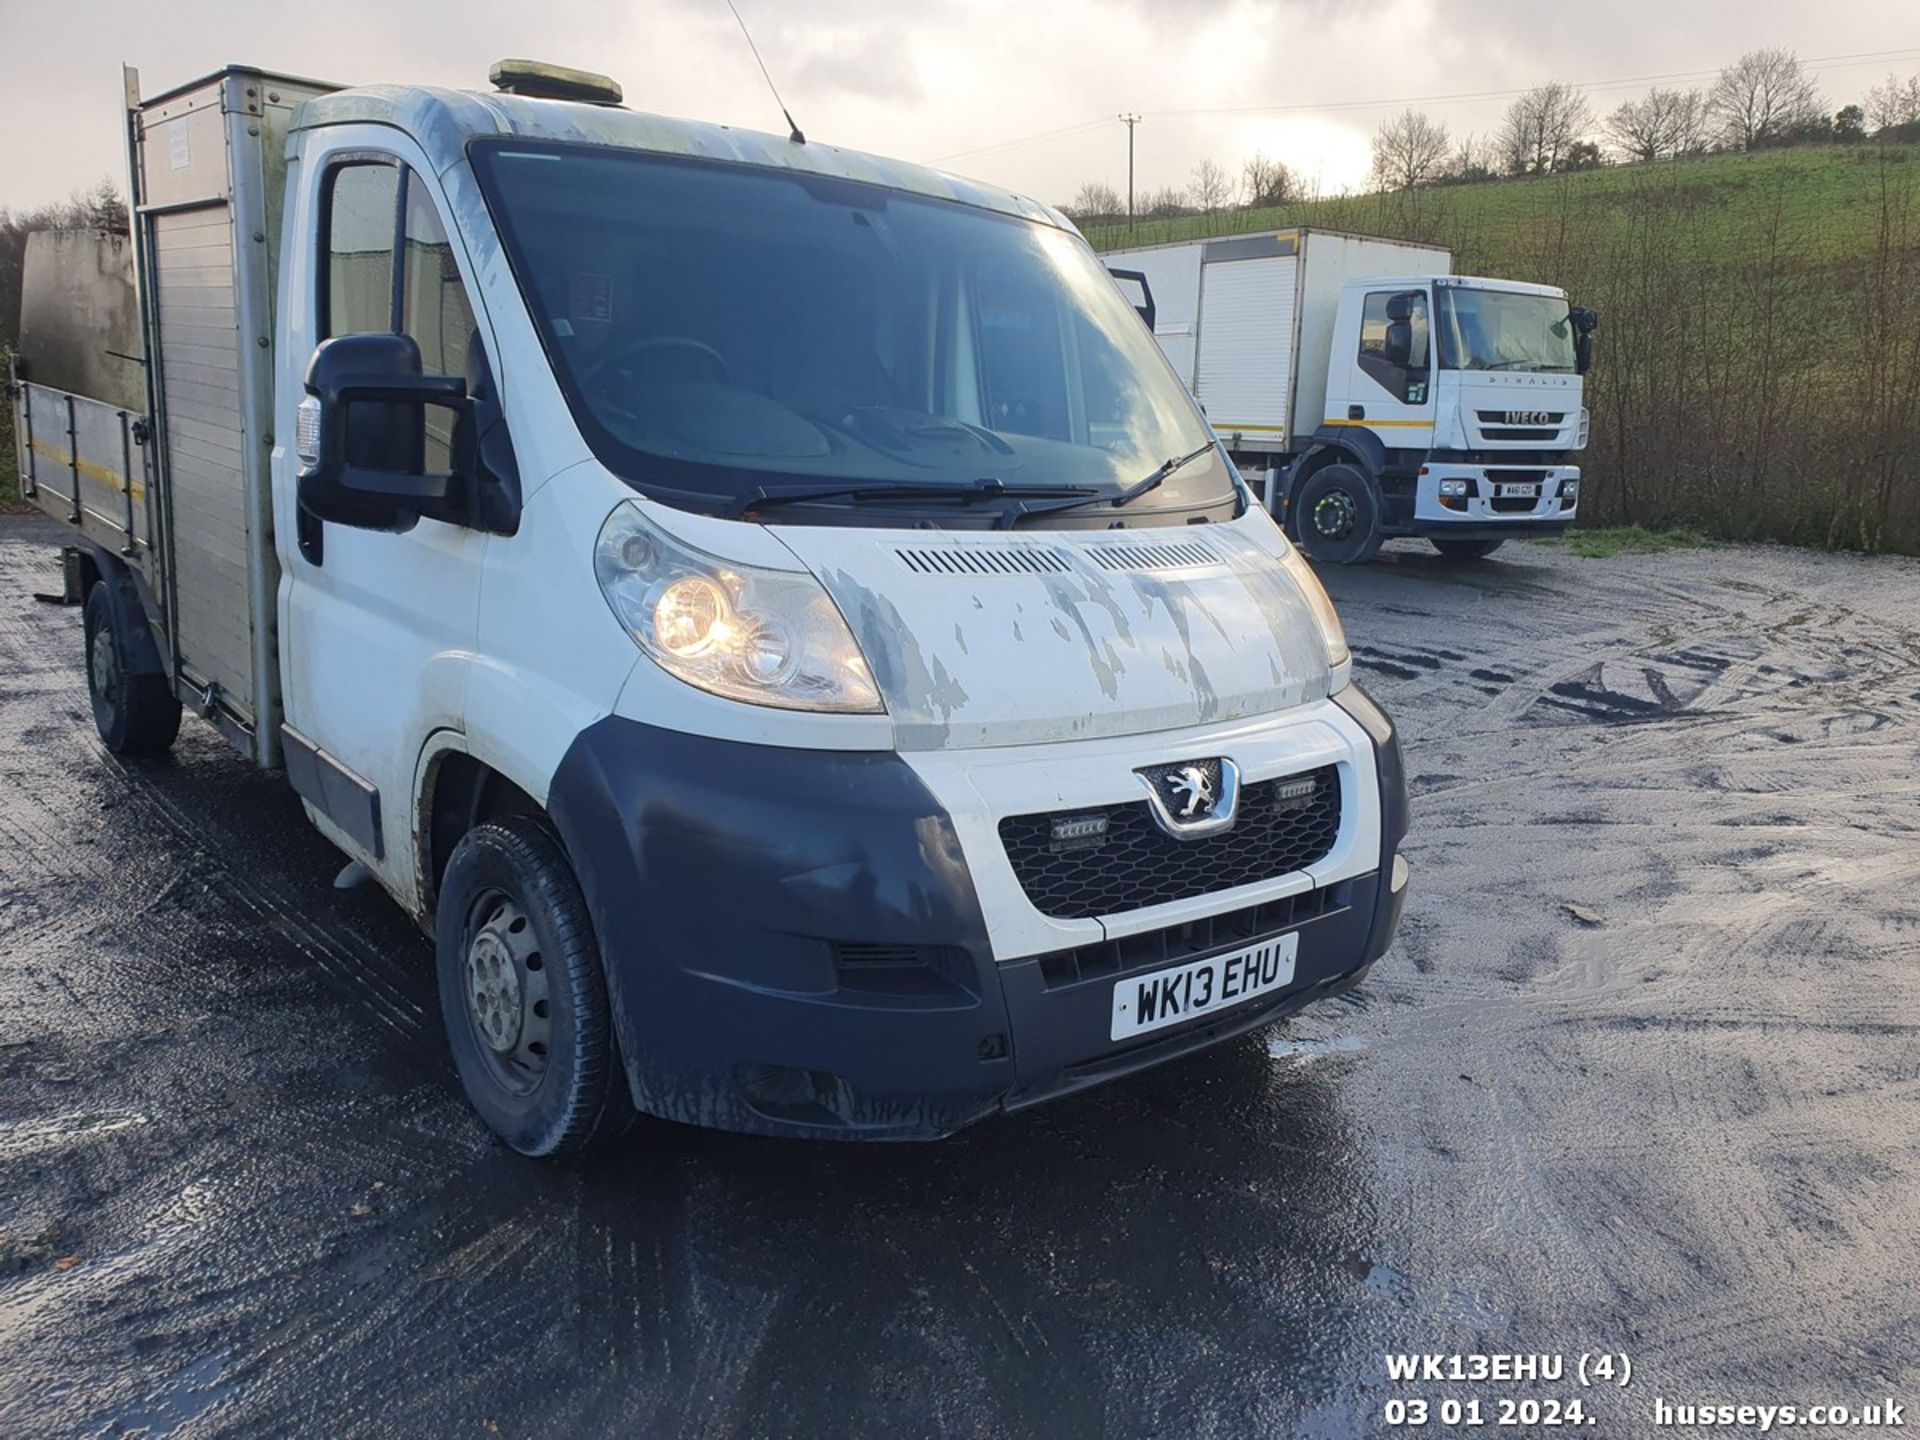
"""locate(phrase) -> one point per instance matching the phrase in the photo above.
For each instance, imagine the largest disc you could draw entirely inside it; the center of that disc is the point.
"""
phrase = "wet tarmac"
(1642, 1075)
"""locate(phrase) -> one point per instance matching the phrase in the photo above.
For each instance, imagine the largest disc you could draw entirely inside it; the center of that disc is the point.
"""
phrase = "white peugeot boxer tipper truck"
(769, 612)
(1380, 393)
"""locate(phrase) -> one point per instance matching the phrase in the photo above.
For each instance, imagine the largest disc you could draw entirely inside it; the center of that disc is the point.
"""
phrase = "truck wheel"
(1466, 549)
(1338, 517)
(135, 714)
(522, 993)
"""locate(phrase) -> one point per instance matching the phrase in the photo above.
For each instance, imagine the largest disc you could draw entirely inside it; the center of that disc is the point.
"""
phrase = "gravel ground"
(1642, 1075)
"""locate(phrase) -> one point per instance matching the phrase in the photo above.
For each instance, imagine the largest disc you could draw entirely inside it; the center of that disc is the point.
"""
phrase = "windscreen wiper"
(1133, 491)
(974, 490)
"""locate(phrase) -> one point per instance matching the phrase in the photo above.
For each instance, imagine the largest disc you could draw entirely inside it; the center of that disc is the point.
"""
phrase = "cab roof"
(443, 121)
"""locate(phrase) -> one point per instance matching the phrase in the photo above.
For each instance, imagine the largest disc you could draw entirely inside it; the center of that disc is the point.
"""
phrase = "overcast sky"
(948, 81)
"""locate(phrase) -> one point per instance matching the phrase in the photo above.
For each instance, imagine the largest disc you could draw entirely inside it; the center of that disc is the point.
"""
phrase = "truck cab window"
(374, 212)
(435, 311)
(1394, 340)
(362, 202)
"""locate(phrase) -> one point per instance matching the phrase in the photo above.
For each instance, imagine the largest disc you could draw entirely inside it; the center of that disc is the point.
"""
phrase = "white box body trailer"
(816, 673)
(1247, 321)
(1444, 406)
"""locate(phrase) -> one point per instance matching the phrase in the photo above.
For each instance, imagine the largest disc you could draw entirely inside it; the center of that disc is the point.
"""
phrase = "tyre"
(523, 995)
(136, 714)
(1337, 516)
(1464, 550)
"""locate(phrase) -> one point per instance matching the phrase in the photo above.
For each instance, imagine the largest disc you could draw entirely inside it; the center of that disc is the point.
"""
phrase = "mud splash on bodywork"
(1078, 639)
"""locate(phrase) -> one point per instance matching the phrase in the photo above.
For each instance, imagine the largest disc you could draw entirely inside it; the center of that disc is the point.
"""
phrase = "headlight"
(766, 637)
(1331, 634)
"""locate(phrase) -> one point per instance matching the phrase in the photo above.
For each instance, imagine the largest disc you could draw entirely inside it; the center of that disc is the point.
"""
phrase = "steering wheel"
(612, 362)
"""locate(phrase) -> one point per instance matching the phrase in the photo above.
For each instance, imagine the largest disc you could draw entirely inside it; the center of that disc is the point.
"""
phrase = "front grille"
(1505, 432)
(1104, 959)
(1136, 863)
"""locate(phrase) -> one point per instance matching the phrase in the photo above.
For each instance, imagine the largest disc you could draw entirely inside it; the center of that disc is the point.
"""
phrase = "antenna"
(795, 136)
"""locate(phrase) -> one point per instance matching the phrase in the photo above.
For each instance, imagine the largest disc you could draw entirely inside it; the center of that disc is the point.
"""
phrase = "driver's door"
(1390, 387)
(377, 629)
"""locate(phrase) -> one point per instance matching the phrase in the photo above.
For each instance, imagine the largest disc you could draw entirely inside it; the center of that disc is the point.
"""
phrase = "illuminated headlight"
(1338, 658)
(1581, 442)
(1453, 487)
(765, 637)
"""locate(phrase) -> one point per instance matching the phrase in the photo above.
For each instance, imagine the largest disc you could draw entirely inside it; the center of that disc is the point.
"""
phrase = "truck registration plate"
(1516, 492)
(1187, 992)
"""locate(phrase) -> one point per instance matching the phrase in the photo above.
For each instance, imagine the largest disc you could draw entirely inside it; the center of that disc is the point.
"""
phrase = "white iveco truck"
(1381, 394)
(768, 611)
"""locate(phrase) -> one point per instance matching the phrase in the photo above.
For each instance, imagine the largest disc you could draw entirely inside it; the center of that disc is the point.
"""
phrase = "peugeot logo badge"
(1191, 799)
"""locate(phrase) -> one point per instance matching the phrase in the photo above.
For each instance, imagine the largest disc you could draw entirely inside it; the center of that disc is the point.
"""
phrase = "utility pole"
(1129, 121)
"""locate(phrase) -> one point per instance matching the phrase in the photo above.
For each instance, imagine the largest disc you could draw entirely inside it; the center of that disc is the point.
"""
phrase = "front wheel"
(1462, 550)
(135, 713)
(1337, 516)
(523, 995)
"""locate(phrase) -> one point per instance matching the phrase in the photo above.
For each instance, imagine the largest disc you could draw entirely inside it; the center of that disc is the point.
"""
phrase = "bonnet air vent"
(1172, 555)
(985, 560)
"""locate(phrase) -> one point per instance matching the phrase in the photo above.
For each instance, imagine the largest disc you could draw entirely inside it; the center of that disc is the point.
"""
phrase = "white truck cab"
(768, 611)
(1382, 394)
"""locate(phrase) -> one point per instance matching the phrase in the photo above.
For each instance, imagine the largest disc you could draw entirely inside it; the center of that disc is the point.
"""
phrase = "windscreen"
(1504, 330)
(717, 327)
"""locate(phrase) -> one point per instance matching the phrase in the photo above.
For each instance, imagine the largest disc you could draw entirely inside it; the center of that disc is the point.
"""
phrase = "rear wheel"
(523, 995)
(1337, 516)
(1464, 550)
(136, 714)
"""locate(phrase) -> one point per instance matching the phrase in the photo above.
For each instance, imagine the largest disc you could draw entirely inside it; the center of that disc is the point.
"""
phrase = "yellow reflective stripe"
(1230, 425)
(1366, 424)
(113, 481)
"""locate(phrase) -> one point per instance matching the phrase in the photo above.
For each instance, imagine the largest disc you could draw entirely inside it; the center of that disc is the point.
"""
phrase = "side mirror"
(362, 438)
(1144, 305)
(1397, 346)
(1585, 322)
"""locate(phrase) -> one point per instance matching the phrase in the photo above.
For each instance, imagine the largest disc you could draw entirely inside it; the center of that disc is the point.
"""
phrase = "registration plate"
(1187, 992)
(1516, 492)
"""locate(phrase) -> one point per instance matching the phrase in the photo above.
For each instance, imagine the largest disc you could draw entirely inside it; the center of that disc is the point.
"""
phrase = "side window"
(361, 205)
(375, 211)
(1394, 340)
(435, 312)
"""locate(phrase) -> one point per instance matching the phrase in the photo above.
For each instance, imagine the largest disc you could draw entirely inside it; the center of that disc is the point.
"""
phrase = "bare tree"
(1690, 124)
(1541, 127)
(1212, 190)
(1472, 159)
(1894, 103)
(1661, 123)
(1096, 200)
(1409, 150)
(1762, 98)
(1164, 204)
(1267, 182)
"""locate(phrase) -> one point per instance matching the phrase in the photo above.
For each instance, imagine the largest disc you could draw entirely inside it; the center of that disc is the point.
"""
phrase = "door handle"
(1356, 412)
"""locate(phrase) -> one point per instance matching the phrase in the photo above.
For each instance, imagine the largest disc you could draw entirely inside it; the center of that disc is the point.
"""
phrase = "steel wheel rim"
(504, 984)
(103, 667)
(1333, 515)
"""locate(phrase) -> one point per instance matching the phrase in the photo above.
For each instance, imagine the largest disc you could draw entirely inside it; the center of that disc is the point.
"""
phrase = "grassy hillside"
(1757, 369)
(1823, 198)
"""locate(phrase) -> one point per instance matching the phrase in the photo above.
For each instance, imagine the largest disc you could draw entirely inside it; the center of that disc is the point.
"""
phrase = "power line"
(1460, 97)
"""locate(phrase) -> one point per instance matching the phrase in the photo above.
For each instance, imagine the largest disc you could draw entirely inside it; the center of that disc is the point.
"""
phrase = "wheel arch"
(1332, 445)
(97, 566)
(454, 790)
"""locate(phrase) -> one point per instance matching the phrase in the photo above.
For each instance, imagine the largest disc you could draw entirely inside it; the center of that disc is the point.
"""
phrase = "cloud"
(975, 77)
